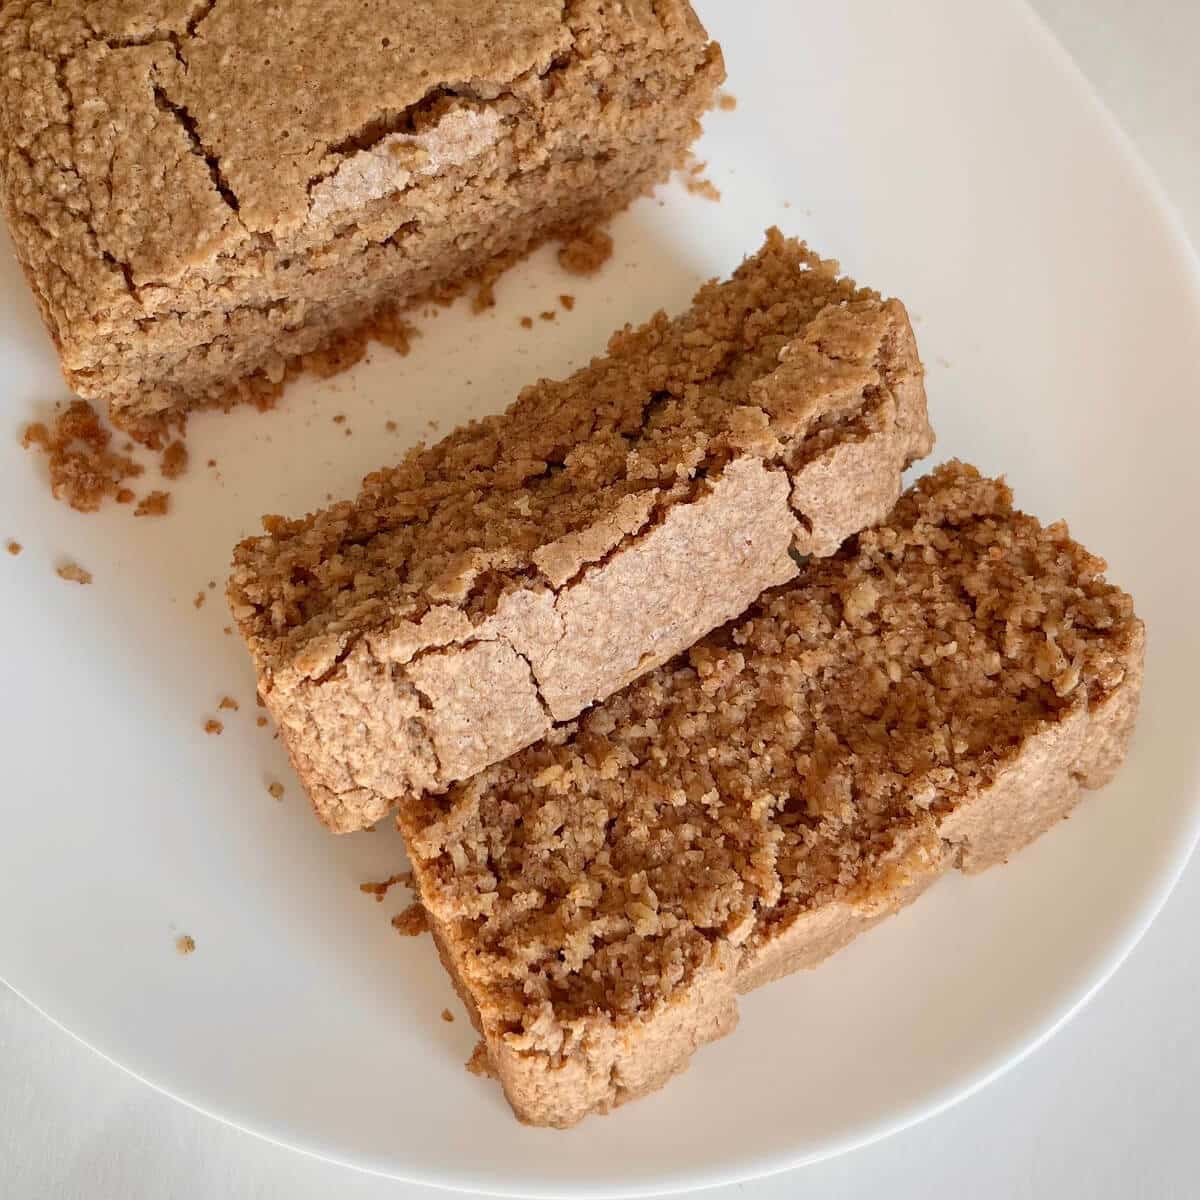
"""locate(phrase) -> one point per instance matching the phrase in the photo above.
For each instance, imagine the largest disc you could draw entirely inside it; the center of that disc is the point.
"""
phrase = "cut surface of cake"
(532, 563)
(935, 695)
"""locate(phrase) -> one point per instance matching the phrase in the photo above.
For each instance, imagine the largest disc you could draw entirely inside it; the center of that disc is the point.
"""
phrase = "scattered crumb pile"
(185, 944)
(586, 252)
(83, 470)
(73, 573)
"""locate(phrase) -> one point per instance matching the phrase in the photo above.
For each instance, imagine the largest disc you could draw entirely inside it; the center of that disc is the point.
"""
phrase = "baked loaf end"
(201, 198)
(935, 695)
(537, 561)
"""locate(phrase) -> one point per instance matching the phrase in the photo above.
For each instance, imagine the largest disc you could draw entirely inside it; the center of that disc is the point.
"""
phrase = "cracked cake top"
(164, 148)
(777, 363)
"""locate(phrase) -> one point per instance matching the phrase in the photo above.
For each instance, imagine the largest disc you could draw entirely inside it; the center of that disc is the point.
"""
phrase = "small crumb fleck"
(479, 1063)
(276, 790)
(228, 702)
(726, 102)
(260, 721)
(212, 462)
(447, 1016)
(567, 301)
(526, 322)
(411, 922)
(390, 426)
(73, 573)
(227, 630)
(212, 583)
(379, 890)
(199, 600)
(213, 727)
(154, 504)
(185, 944)
(586, 253)
(340, 419)
(349, 431)
(548, 315)
(174, 460)
(124, 496)
(14, 548)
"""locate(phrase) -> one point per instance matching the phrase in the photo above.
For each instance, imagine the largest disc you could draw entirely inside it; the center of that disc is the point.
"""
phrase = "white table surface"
(1109, 1108)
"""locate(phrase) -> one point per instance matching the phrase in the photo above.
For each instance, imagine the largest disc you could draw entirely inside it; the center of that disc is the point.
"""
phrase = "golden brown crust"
(200, 197)
(532, 563)
(934, 695)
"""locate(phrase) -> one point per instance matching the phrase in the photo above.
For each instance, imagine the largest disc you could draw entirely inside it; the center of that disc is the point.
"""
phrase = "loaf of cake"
(202, 193)
(532, 563)
(935, 695)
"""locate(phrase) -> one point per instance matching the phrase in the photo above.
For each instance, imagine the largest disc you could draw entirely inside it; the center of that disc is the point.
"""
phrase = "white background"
(1109, 1108)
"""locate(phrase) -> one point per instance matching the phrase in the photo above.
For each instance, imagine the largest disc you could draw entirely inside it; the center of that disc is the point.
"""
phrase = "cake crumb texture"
(934, 695)
(535, 561)
(185, 944)
(84, 471)
(586, 252)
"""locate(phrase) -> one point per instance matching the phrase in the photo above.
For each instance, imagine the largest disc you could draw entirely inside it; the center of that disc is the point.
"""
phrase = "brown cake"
(200, 193)
(934, 696)
(537, 561)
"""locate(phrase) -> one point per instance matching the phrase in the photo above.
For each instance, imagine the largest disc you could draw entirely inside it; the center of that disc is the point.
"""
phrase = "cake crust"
(934, 696)
(533, 563)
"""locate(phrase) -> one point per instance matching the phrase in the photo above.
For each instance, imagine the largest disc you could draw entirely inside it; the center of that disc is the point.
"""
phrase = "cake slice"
(537, 561)
(202, 193)
(936, 695)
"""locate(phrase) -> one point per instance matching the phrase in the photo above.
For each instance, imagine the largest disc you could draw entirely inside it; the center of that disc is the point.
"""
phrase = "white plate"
(948, 153)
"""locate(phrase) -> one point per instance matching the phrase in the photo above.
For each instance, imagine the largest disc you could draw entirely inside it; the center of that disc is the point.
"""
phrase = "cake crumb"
(726, 101)
(13, 547)
(697, 184)
(199, 600)
(153, 504)
(276, 790)
(526, 322)
(548, 315)
(174, 461)
(412, 922)
(124, 496)
(227, 630)
(479, 1063)
(447, 1016)
(229, 702)
(567, 301)
(212, 462)
(260, 721)
(185, 944)
(586, 252)
(213, 727)
(83, 470)
(390, 426)
(73, 573)
(340, 419)
(381, 889)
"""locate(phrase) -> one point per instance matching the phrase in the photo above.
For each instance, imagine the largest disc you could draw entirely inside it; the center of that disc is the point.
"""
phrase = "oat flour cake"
(537, 561)
(935, 695)
(202, 192)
